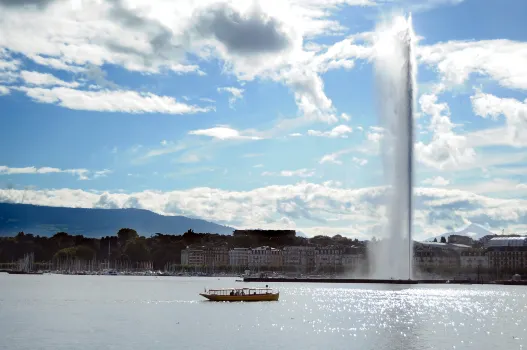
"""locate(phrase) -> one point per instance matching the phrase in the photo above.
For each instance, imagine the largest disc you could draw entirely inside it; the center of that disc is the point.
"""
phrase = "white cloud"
(372, 145)
(338, 131)
(83, 174)
(45, 79)
(258, 166)
(8, 67)
(7, 63)
(359, 161)
(101, 173)
(457, 60)
(345, 117)
(189, 158)
(295, 134)
(290, 173)
(497, 186)
(334, 157)
(129, 37)
(436, 181)
(236, 94)
(55, 63)
(4, 90)
(252, 155)
(263, 40)
(312, 102)
(515, 112)
(167, 148)
(310, 207)
(447, 150)
(111, 101)
(223, 133)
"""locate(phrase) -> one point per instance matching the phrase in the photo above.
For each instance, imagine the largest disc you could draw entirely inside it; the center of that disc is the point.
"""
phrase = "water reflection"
(134, 313)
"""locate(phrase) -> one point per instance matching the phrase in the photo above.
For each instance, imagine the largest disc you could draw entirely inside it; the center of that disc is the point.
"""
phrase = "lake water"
(120, 312)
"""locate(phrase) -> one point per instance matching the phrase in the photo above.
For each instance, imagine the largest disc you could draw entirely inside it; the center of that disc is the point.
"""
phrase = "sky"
(261, 114)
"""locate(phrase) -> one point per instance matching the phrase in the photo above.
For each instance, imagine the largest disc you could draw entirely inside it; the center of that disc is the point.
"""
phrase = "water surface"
(121, 312)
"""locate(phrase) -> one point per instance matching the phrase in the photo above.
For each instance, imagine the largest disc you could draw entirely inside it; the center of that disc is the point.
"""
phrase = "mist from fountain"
(395, 72)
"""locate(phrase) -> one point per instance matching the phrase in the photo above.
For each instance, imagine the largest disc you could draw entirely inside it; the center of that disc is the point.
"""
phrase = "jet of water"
(395, 75)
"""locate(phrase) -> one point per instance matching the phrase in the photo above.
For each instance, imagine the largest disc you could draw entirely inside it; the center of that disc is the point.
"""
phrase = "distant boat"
(24, 272)
(241, 294)
(111, 273)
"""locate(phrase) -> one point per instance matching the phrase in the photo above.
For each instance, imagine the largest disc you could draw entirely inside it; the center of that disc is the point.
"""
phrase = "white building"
(474, 260)
(328, 257)
(193, 257)
(442, 246)
(217, 256)
(436, 257)
(265, 257)
(298, 258)
(507, 253)
(352, 260)
(507, 242)
(239, 257)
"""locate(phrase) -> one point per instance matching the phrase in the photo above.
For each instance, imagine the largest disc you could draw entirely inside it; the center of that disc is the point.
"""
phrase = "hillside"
(473, 231)
(47, 221)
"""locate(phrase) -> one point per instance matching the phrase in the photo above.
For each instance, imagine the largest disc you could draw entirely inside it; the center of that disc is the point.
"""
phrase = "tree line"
(128, 245)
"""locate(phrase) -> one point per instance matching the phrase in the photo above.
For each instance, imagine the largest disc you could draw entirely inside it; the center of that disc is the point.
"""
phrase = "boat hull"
(257, 297)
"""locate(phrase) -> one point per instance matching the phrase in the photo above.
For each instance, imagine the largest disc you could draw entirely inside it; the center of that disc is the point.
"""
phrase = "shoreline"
(379, 281)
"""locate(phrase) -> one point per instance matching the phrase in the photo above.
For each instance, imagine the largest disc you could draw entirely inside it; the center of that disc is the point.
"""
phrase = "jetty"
(378, 281)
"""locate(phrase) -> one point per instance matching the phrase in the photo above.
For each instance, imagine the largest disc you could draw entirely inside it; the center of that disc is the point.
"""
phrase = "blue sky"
(261, 114)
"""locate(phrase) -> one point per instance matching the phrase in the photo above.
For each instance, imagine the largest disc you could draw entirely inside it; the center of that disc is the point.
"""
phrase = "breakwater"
(377, 281)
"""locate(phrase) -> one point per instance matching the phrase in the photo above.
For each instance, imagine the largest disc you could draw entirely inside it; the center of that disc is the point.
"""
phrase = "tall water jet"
(395, 77)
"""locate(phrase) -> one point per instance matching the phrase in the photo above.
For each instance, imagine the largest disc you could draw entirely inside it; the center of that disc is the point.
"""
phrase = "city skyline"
(261, 114)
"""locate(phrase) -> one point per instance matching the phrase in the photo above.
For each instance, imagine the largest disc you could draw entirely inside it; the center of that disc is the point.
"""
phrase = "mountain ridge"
(96, 222)
(473, 231)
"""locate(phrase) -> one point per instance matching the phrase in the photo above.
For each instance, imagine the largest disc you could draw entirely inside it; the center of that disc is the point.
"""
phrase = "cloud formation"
(223, 133)
(236, 94)
(338, 131)
(291, 173)
(447, 149)
(514, 111)
(352, 212)
(111, 101)
(45, 79)
(252, 33)
(83, 174)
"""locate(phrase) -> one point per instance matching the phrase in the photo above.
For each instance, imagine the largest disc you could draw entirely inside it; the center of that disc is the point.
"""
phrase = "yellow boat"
(241, 294)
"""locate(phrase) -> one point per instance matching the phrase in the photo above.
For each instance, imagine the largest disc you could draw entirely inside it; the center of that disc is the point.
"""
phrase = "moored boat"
(241, 294)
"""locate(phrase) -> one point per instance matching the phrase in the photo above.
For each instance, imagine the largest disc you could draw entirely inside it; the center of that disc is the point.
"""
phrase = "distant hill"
(301, 234)
(473, 231)
(47, 221)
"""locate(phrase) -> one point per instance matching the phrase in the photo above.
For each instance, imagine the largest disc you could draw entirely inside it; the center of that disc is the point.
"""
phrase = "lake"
(126, 312)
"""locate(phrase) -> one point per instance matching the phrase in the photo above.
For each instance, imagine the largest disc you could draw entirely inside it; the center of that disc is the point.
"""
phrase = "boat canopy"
(234, 289)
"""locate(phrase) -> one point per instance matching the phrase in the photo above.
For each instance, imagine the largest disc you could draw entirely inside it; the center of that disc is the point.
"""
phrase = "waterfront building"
(239, 257)
(508, 253)
(328, 257)
(460, 239)
(265, 257)
(217, 256)
(193, 256)
(437, 255)
(352, 258)
(474, 259)
(298, 258)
